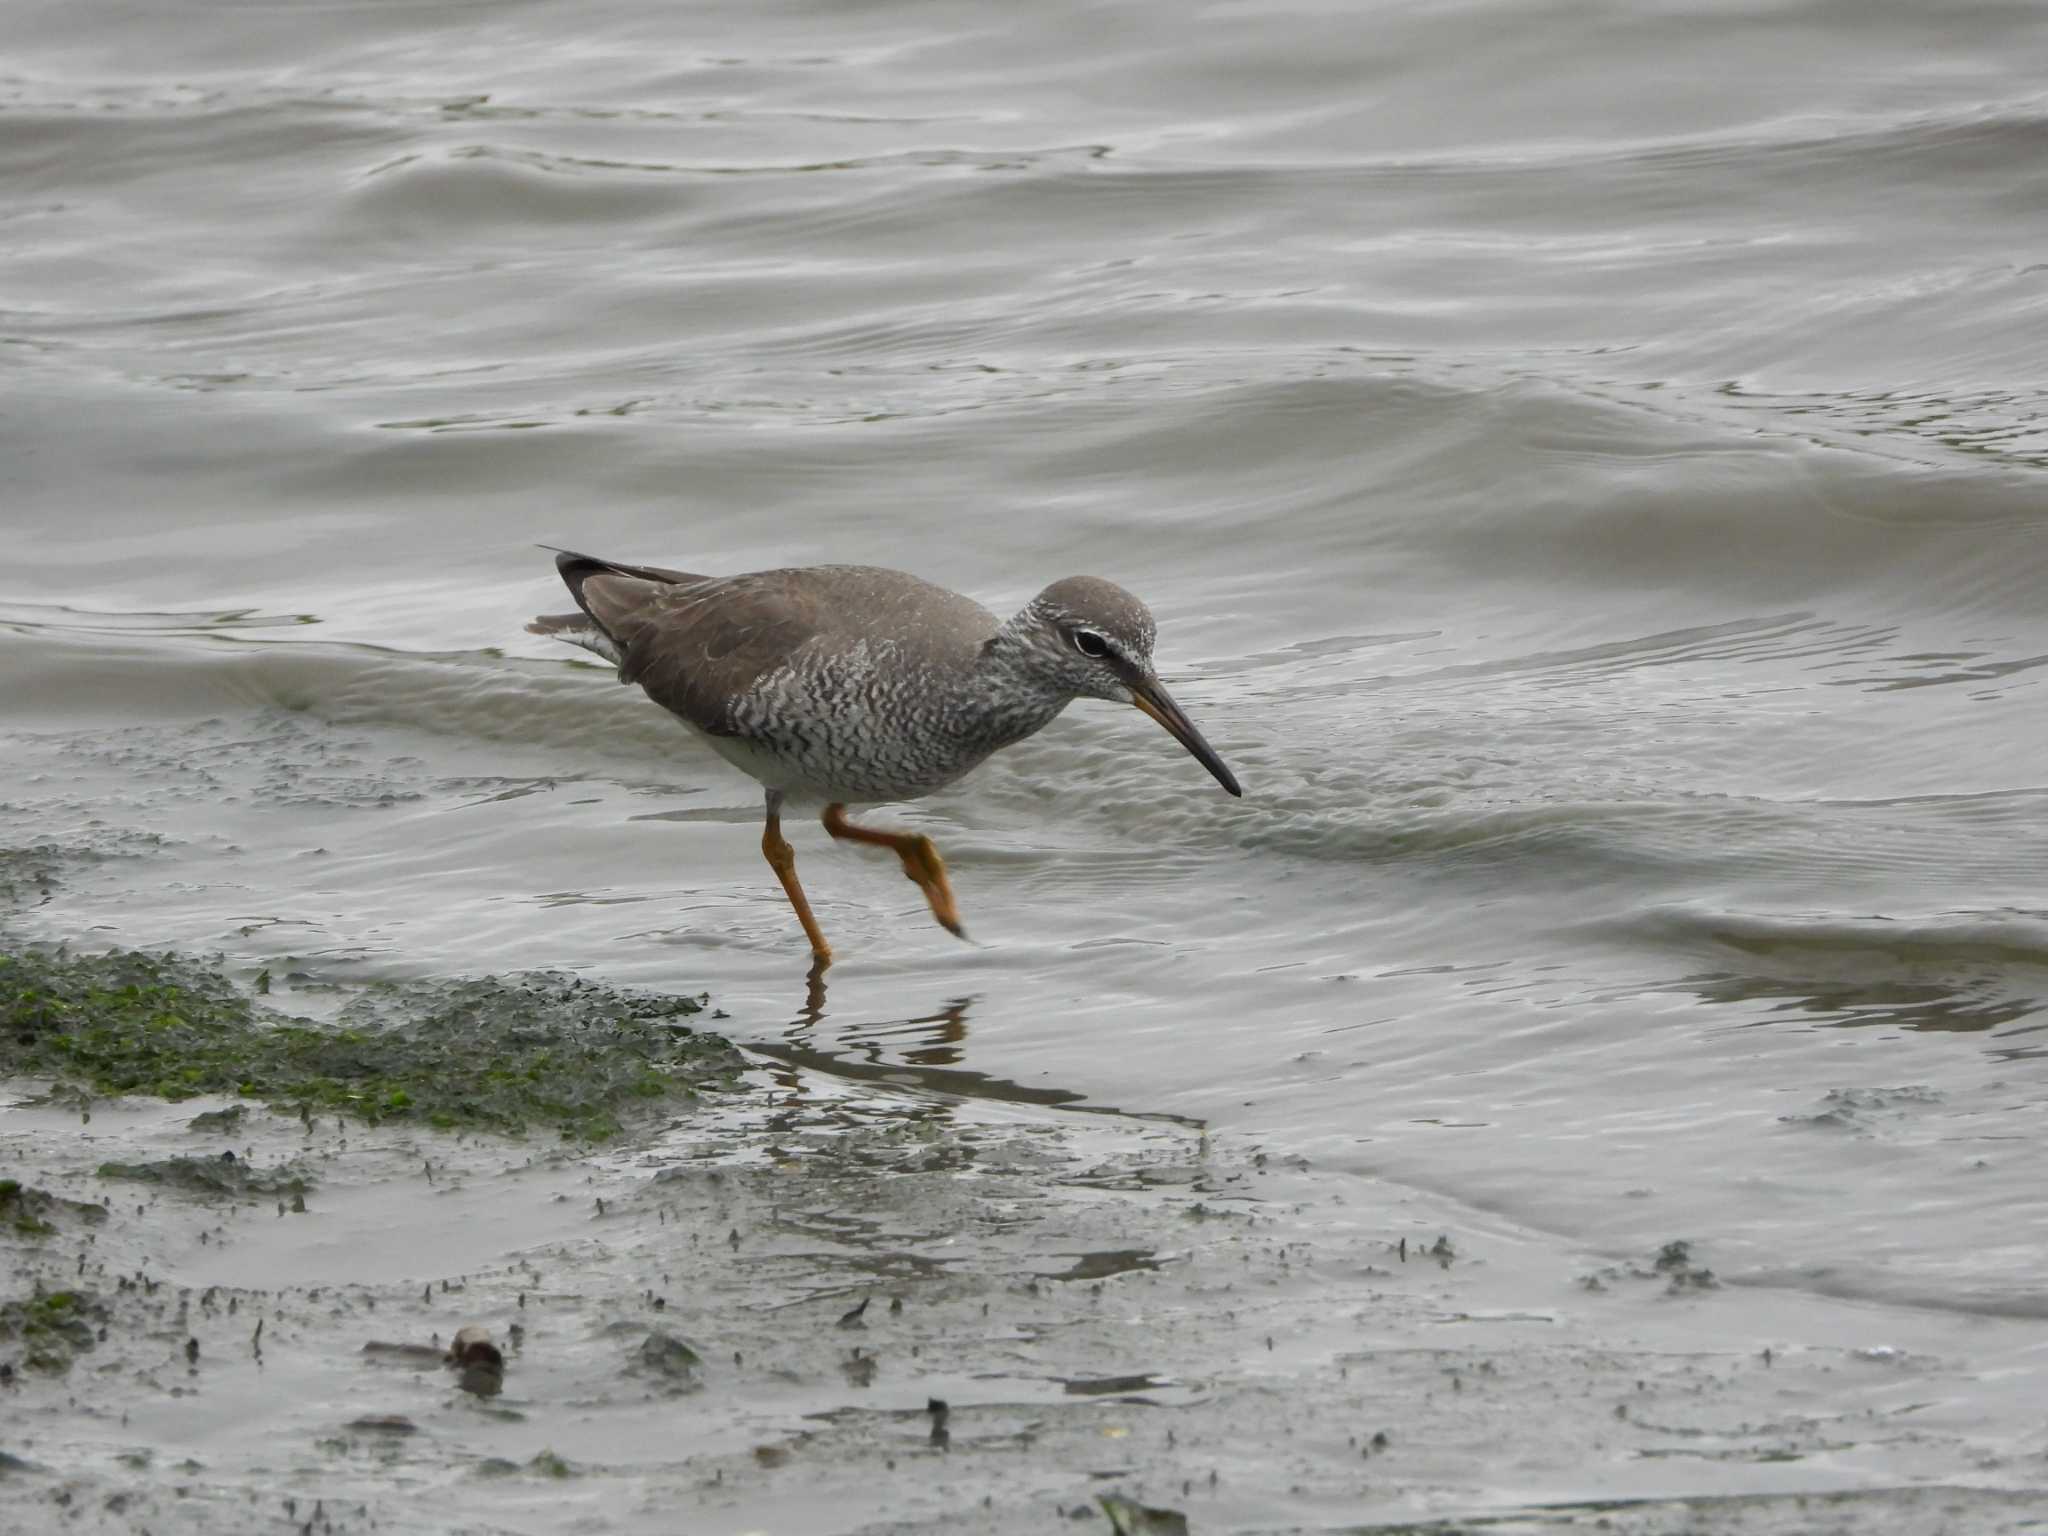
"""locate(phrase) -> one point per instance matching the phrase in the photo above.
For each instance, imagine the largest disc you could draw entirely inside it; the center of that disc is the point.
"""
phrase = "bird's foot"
(921, 862)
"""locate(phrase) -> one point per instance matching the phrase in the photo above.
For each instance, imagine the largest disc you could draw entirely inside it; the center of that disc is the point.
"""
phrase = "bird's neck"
(1015, 691)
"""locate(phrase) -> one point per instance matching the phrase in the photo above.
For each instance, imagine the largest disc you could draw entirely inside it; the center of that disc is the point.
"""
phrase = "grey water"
(1587, 462)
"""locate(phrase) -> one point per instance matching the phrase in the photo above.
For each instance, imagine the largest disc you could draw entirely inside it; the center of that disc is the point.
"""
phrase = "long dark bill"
(1151, 696)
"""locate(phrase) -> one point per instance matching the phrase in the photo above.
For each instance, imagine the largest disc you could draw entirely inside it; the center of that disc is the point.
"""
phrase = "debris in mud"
(1106, 1264)
(1127, 1517)
(384, 1424)
(53, 1327)
(219, 1121)
(670, 1362)
(1673, 1264)
(226, 1174)
(479, 1363)
(859, 1369)
(1111, 1386)
(30, 1212)
(28, 876)
(496, 1054)
(1674, 1260)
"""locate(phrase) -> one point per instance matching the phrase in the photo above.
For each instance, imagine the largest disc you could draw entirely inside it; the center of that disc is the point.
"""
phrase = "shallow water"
(1587, 464)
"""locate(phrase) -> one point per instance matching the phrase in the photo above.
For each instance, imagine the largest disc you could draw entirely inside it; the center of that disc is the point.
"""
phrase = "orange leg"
(921, 862)
(782, 859)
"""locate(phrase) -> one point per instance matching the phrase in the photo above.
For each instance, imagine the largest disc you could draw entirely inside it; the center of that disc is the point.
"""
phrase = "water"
(1586, 462)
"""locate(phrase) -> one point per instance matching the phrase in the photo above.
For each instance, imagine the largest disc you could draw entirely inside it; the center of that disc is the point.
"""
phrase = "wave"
(1467, 770)
(189, 668)
(1808, 941)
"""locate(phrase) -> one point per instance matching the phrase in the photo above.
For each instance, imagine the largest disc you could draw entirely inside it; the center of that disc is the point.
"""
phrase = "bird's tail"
(585, 628)
(576, 629)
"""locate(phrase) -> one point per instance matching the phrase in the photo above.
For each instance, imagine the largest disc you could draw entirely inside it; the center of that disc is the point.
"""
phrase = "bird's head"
(1091, 639)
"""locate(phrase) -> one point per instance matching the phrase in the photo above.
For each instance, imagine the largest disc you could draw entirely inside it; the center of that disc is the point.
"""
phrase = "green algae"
(28, 1212)
(1127, 1517)
(19, 1213)
(220, 1122)
(53, 1327)
(222, 1175)
(499, 1054)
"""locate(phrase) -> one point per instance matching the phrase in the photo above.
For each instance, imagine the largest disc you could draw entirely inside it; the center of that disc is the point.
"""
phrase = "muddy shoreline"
(795, 1300)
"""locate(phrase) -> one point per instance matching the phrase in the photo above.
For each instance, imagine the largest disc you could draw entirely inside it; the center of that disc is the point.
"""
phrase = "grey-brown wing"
(697, 648)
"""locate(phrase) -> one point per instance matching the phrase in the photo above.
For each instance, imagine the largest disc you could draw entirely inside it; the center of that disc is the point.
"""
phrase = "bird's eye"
(1090, 644)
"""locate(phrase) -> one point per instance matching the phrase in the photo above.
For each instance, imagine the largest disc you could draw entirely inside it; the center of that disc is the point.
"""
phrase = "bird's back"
(846, 681)
(704, 649)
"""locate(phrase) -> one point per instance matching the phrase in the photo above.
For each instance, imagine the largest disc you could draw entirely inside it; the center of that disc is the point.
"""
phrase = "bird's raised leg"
(921, 862)
(782, 859)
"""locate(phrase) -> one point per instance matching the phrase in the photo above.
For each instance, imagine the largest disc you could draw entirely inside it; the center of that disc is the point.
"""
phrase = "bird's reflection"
(947, 1028)
(877, 1050)
(813, 1010)
(929, 1061)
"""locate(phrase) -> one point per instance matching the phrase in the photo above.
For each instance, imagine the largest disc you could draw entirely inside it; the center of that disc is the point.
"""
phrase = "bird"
(855, 684)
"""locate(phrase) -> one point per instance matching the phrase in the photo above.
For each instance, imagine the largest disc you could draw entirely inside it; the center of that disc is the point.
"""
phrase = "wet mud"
(780, 1299)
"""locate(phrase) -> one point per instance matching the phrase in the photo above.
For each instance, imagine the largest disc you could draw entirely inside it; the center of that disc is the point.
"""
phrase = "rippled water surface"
(1587, 462)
